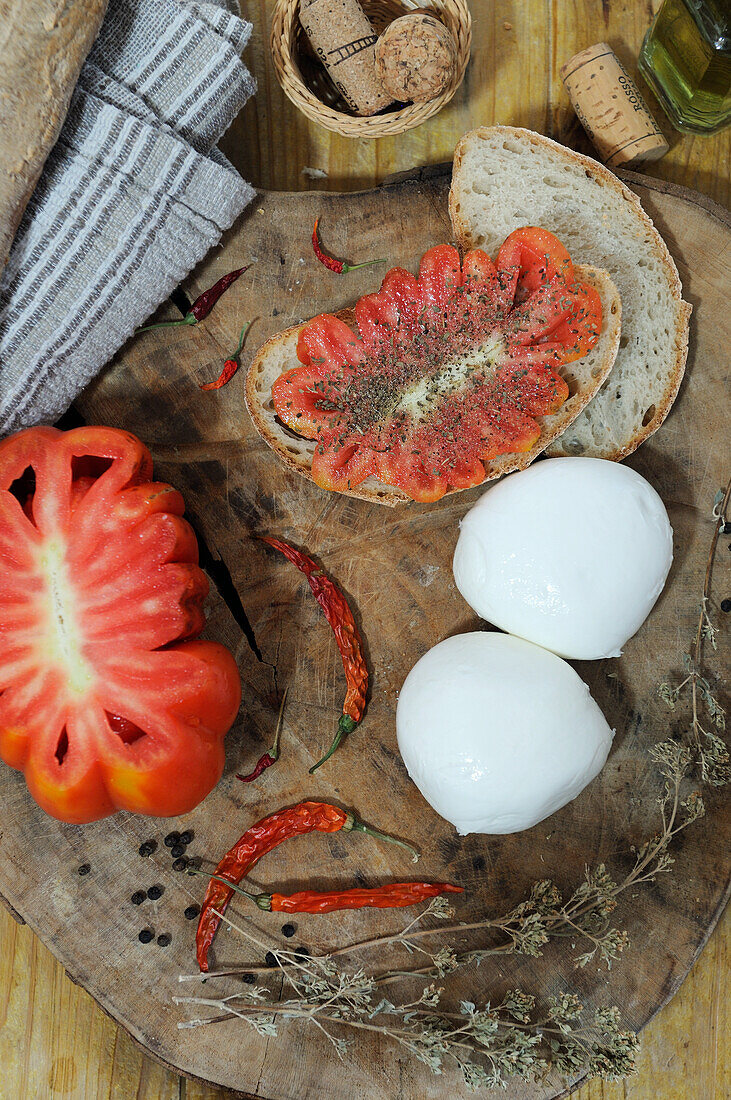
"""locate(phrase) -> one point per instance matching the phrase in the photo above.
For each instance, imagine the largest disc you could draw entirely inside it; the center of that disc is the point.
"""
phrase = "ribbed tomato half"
(447, 370)
(106, 700)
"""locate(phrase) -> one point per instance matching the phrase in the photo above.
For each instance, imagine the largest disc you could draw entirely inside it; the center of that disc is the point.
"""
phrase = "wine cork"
(611, 108)
(416, 57)
(343, 38)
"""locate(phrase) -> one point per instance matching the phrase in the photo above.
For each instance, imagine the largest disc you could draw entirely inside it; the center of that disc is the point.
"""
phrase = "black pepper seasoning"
(726, 605)
(180, 864)
(192, 912)
(187, 836)
(177, 850)
(84, 868)
(170, 839)
(288, 930)
(270, 959)
(138, 897)
(164, 940)
(248, 978)
(147, 847)
(145, 936)
(155, 892)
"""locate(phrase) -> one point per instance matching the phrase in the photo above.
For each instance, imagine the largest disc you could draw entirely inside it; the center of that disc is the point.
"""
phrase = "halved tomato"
(106, 700)
(447, 370)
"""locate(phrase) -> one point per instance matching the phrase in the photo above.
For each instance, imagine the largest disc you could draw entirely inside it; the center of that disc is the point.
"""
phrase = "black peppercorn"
(269, 959)
(138, 897)
(726, 605)
(187, 836)
(170, 839)
(195, 861)
(248, 978)
(177, 850)
(155, 892)
(302, 952)
(192, 912)
(288, 930)
(84, 868)
(164, 940)
(145, 935)
(180, 864)
(147, 847)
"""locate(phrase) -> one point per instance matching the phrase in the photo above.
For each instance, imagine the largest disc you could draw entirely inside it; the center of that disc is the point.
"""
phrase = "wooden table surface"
(55, 1042)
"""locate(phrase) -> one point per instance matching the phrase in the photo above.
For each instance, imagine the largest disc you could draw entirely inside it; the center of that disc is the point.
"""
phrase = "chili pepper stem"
(366, 263)
(345, 725)
(274, 751)
(189, 319)
(264, 901)
(355, 826)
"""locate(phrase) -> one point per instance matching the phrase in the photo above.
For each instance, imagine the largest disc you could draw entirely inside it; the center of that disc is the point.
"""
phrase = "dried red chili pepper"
(397, 895)
(338, 266)
(340, 617)
(306, 817)
(229, 367)
(271, 757)
(204, 303)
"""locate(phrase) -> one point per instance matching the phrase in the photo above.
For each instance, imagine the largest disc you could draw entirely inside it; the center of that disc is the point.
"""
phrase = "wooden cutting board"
(395, 564)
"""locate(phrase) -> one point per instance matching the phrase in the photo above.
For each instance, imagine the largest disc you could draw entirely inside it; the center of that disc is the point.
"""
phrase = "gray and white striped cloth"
(132, 197)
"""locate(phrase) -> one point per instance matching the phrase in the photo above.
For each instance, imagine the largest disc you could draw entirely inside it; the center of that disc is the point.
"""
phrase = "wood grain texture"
(54, 1041)
(397, 569)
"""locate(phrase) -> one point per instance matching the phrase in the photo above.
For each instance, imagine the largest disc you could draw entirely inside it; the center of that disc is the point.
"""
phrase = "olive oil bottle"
(686, 60)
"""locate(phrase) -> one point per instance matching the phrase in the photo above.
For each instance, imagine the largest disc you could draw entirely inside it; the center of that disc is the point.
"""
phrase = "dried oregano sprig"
(488, 1044)
(710, 750)
(494, 1042)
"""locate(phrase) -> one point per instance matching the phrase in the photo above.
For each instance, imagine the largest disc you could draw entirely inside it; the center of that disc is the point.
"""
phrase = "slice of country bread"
(505, 177)
(584, 377)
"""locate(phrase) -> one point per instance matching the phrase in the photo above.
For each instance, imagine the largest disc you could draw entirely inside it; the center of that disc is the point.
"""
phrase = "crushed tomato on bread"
(448, 369)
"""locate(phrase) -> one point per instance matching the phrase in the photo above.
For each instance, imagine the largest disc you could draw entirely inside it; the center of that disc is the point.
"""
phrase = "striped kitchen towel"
(132, 197)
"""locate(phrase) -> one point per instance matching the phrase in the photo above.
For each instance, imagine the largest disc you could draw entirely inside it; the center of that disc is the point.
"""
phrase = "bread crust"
(278, 354)
(607, 179)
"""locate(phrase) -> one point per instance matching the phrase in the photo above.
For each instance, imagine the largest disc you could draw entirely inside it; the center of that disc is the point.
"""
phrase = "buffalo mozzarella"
(571, 554)
(498, 733)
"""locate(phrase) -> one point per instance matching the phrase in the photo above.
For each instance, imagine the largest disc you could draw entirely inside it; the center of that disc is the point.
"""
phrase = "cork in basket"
(306, 84)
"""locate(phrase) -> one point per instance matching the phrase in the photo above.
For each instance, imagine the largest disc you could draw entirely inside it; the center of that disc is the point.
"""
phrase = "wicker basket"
(306, 83)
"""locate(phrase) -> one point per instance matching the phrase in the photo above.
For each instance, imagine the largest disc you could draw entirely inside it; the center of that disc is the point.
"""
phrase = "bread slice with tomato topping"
(442, 380)
(503, 176)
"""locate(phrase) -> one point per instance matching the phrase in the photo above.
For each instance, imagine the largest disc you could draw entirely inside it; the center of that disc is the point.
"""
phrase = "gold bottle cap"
(611, 109)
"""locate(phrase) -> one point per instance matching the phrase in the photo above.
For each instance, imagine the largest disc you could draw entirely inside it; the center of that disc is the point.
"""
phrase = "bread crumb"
(314, 173)
(508, 26)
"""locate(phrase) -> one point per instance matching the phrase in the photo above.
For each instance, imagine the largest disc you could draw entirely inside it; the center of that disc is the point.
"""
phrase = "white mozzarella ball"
(498, 733)
(571, 554)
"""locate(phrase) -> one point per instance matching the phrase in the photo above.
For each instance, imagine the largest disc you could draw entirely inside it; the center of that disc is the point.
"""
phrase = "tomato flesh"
(107, 701)
(448, 369)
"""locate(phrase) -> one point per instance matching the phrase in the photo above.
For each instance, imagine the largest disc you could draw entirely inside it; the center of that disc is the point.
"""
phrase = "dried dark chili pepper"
(229, 367)
(204, 303)
(340, 617)
(306, 817)
(271, 757)
(397, 895)
(338, 266)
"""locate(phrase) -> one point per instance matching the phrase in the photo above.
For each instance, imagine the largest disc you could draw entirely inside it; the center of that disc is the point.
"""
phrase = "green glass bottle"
(686, 60)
